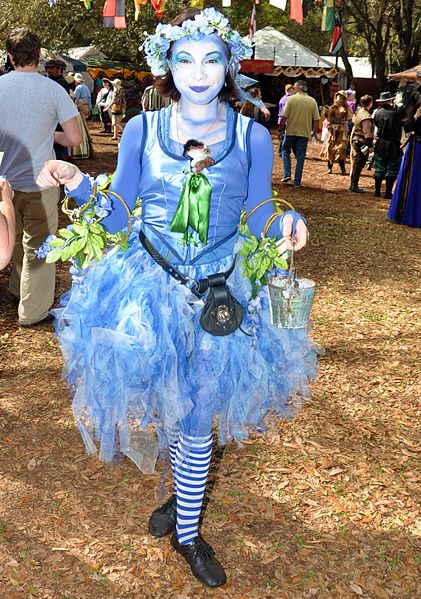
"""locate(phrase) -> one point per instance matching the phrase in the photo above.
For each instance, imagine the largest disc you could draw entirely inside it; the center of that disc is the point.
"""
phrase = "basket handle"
(274, 201)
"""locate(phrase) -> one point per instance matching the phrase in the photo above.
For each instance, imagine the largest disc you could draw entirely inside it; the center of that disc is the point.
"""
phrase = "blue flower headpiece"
(209, 21)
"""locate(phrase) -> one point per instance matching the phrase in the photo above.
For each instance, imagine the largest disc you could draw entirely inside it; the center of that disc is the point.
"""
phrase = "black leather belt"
(199, 287)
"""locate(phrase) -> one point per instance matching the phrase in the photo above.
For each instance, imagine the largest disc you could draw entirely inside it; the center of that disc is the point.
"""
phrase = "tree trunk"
(348, 68)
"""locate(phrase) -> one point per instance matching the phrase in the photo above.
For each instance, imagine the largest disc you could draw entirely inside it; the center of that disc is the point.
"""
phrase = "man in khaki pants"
(31, 106)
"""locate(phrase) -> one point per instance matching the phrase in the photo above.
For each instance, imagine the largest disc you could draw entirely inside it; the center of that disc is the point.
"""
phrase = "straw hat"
(79, 77)
(69, 78)
(116, 82)
(342, 93)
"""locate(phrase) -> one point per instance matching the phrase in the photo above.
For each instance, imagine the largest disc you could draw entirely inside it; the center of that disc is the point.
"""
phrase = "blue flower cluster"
(207, 22)
(103, 207)
(43, 250)
(100, 207)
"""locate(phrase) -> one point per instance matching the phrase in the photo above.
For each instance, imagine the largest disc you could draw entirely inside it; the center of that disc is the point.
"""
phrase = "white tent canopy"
(84, 53)
(361, 66)
(271, 44)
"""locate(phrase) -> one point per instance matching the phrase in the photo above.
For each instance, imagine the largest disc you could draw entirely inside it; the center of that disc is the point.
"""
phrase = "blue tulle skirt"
(141, 368)
(405, 207)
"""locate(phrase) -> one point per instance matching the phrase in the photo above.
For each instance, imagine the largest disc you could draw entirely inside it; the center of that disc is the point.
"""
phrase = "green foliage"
(69, 24)
(84, 240)
(387, 30)
(260, 257)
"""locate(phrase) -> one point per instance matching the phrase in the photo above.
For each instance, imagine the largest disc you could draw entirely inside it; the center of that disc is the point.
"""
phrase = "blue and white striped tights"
(190, 461)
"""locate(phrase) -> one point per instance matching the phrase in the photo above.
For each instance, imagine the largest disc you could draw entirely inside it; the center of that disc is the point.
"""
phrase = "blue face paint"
(199, 68)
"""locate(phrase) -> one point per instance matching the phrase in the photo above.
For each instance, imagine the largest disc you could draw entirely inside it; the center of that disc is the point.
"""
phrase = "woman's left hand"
(301, 233)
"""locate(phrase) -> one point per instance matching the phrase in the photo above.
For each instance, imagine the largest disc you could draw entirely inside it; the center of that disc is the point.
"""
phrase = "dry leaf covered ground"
(324, 507)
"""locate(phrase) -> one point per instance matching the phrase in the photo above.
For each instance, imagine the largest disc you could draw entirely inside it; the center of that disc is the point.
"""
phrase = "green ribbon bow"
(193, 207)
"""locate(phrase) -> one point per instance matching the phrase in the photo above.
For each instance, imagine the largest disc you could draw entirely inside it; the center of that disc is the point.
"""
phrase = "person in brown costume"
(338, 116)
(361, 140)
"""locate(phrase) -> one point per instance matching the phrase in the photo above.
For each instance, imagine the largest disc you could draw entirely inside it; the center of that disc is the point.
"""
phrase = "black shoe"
(162, 520)
(356, 189)
(285, 179)
(202, 561)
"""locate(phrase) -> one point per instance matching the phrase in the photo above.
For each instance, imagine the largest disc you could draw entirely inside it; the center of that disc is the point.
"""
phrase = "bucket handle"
(292, 272)
(273, 216)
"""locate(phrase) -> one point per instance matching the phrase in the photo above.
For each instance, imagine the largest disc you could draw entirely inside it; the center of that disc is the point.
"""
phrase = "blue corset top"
(163, 175)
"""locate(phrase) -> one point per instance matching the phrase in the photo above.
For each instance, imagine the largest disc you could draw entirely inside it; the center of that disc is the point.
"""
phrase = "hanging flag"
(252, 28)
(137, 5)
(282, 4)
(159, 7)
(114, 14)
(226, 3)
(296, 11)
(305, 8)
(328, 18)
(336, 43)
(87, 3)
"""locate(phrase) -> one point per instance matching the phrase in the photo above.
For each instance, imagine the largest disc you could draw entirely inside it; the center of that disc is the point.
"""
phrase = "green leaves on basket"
(260, 257)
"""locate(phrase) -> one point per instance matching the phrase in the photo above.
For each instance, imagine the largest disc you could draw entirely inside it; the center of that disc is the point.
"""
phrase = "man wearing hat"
(361, 140)
(55, 68)
(388, 152)
(83, 98)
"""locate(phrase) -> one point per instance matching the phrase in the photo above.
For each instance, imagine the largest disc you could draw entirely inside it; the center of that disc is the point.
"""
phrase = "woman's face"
(199, 68)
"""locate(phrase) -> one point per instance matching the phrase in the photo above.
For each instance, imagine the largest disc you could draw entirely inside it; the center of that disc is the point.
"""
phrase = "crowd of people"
(138, 349)
(352, 128)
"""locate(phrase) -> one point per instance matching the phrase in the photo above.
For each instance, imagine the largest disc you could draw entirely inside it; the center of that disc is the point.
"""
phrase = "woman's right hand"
(59, 172)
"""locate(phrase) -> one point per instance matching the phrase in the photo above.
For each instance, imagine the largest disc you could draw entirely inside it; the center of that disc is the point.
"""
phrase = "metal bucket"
(290, 299)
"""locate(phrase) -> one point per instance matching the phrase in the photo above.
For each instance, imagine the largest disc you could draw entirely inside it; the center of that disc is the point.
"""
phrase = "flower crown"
(209, 21)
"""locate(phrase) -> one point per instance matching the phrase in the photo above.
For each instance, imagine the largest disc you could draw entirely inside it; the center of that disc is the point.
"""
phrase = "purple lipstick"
(199, 88)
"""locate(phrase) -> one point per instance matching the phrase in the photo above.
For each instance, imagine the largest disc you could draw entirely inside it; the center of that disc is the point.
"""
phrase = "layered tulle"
(138, 363)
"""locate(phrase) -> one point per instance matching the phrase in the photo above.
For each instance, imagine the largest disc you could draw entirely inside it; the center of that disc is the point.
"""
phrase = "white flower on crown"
(209, 21)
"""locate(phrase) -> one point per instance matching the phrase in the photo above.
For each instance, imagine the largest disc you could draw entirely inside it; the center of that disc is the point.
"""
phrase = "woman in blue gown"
(405, 207)
(136, 356)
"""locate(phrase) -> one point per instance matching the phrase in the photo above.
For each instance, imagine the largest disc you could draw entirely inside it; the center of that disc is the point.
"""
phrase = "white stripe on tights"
(191, 471)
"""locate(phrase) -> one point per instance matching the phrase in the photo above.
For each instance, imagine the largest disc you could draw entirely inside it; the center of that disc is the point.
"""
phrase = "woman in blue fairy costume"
(136, 355)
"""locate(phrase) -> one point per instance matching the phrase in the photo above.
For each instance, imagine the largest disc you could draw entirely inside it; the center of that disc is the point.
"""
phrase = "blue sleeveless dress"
(136, 359)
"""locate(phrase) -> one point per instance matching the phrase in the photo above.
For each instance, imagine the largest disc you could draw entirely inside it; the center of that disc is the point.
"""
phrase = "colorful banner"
(296, 11)
(137, 5)
(252, 27)
(328, 18)
(114, 14)
(336, 43)
(159, 7)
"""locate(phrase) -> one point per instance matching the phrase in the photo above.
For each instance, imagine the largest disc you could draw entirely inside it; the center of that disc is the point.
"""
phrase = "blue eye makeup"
(182, 58)
(215, 58)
